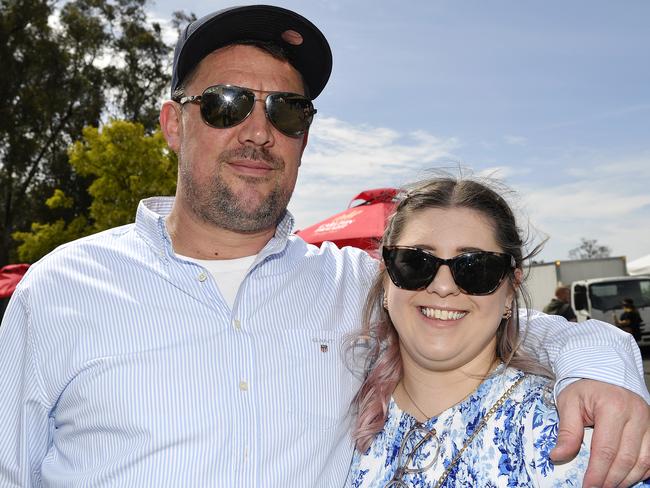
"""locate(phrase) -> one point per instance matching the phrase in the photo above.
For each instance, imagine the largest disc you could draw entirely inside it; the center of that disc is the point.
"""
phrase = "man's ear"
(170, 124)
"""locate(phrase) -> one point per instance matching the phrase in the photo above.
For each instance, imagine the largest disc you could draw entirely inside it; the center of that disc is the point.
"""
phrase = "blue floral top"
(512, 450)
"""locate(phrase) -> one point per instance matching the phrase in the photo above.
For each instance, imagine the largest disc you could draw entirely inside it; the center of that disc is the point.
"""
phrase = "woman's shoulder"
(534, 394)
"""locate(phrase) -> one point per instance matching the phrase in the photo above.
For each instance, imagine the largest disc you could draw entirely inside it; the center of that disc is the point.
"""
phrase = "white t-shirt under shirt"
(227, 273)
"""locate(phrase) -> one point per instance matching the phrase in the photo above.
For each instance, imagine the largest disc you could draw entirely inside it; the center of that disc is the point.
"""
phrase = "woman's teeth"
(436, 313)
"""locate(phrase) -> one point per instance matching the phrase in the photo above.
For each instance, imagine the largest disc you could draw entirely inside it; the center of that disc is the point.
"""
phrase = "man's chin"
(250, 224)
(250, 216)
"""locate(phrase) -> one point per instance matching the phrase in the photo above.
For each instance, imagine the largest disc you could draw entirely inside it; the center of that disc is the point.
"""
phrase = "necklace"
(429, 417)
(480, 426)
(415, 404)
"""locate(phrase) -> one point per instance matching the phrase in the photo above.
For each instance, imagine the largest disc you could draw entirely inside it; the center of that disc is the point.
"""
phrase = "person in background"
(450, 397)
(630, 320)
(561, 304)
(200, 345)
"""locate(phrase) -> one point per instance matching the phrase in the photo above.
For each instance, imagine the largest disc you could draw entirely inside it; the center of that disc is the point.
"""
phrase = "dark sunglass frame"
(501, 263)
(214, 104)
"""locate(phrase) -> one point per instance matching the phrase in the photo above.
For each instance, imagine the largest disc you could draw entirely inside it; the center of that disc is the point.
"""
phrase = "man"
(630, 320)
(201, 346)
(561, 304)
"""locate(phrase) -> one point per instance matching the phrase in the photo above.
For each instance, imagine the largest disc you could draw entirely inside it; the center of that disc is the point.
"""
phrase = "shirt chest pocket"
(318, 383)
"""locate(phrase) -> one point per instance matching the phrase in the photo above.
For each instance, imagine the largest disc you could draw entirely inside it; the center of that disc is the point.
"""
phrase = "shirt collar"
(150, 225)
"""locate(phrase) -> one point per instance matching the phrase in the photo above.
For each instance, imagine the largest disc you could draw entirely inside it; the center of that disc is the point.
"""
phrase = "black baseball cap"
(308, 50)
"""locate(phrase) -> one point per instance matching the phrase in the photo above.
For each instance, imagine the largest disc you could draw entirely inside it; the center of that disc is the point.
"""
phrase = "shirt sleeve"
(585, 350)
(25, 420)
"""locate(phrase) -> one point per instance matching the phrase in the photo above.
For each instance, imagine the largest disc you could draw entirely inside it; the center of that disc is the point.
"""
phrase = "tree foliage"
(589, 249)
(138, 80)
(64, 68)
(125, 164)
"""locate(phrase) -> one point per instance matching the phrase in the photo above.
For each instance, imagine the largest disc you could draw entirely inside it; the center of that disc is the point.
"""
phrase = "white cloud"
(585, 200)
(609, 202)
(515, 140)
(169, 33)
(601, 116)
(503, 172)
(637, 167)
(343, 159)
(340, 149)
(599, 199)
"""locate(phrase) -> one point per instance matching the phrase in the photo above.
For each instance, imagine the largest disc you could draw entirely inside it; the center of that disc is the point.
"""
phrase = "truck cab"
(600, 299)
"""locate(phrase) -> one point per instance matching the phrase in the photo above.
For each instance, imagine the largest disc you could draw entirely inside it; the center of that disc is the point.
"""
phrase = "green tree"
(37, 116)
(65, 68)
(589, 249)
(125, 164)
(138, 80)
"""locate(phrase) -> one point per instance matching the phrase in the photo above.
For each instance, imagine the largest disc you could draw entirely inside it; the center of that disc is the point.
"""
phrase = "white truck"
(597, 288)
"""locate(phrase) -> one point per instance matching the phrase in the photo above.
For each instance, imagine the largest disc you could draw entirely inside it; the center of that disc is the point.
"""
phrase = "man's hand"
(620, 445)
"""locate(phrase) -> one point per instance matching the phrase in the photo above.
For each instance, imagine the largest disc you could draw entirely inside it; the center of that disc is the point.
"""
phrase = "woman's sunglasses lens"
(410, 269)
(479, 273)
(224, 106)
(290, 114)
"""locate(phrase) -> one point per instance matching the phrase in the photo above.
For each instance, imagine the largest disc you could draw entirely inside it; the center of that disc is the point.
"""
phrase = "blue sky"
(552, 97)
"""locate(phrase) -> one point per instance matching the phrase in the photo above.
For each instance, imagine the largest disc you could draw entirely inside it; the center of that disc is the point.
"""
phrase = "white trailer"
(544, 278)
(597, 288)
(601, 299)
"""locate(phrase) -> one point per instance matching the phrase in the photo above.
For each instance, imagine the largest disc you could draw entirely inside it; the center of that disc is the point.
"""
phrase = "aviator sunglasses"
(475, 273)
(224, 106)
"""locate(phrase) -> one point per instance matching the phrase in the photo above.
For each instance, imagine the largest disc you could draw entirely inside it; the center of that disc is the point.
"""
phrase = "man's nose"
(257, 129)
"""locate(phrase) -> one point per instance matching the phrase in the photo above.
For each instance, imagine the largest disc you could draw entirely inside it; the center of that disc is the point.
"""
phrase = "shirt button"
(202, 276)
(243, 386)
(237, 324)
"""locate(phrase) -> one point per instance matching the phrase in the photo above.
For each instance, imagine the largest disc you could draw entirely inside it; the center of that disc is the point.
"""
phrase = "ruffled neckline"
(493, 386)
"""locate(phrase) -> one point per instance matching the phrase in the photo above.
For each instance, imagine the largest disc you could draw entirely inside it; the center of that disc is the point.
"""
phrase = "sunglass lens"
(480, 273)
(291, 114)
(226, 106)
(410, 269)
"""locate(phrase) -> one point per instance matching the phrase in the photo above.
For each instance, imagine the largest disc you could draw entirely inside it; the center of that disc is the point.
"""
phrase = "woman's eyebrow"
(469, 249)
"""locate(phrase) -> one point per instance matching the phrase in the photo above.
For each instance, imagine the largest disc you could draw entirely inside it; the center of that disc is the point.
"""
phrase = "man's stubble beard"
(217, 204)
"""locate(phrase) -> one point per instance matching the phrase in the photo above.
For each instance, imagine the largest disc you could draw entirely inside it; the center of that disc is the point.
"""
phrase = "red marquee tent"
(360, 226)
(10, 275)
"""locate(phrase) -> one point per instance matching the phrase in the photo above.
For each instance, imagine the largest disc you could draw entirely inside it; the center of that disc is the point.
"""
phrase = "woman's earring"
(508, 313)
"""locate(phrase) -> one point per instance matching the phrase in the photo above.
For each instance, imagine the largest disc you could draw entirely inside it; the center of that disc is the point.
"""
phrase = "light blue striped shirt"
(122, 365)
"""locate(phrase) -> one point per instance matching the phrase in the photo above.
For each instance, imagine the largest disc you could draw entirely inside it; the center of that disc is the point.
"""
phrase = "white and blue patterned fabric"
(121, 364)
(511, 450)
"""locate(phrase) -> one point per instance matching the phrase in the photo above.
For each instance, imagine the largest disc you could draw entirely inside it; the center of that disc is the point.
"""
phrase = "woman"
(449, 399)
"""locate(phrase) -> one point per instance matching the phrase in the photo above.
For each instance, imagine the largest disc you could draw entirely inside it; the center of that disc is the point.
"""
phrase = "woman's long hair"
(382, 362)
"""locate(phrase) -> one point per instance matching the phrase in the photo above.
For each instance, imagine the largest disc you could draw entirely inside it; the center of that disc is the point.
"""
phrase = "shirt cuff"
(601, 363)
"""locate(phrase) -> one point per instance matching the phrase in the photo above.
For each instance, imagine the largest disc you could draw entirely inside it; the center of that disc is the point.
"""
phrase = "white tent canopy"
(639, 266)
